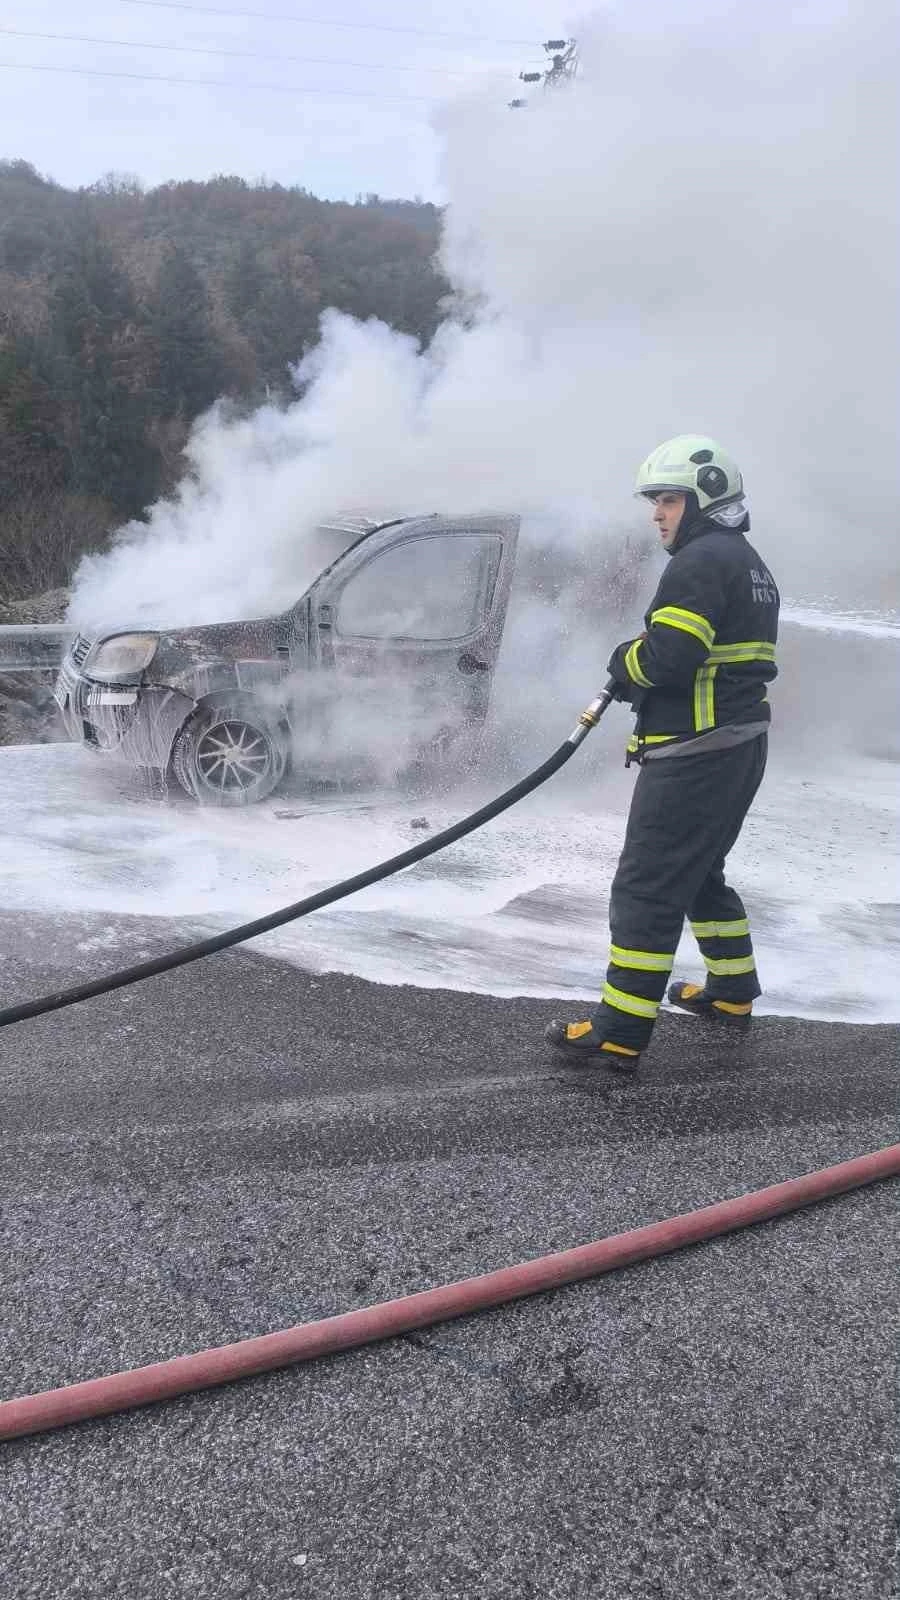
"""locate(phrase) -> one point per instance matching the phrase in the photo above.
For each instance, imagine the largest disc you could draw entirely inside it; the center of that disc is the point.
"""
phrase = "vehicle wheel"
(230, 755)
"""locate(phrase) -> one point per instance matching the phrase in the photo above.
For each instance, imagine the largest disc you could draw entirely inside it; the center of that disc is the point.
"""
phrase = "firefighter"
(697, 679)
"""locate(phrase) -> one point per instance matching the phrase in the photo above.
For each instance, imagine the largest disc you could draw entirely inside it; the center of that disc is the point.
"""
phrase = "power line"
(249, 55)
(323, 22)
(298, 89)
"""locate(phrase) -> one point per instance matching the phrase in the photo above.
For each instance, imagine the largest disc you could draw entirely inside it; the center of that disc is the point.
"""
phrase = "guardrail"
(33, 647)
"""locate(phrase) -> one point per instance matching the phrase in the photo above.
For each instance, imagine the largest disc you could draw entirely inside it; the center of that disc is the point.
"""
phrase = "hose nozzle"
(591, 714)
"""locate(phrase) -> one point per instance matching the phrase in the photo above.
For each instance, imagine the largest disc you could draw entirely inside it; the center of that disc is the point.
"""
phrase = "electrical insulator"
(531, 77)
(556, 44)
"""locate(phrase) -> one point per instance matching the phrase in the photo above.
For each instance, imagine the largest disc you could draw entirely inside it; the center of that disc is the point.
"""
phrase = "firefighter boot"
(691, 997)
(579, 1041)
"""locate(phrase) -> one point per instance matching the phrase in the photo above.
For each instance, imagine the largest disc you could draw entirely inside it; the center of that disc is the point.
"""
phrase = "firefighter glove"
(626, 688)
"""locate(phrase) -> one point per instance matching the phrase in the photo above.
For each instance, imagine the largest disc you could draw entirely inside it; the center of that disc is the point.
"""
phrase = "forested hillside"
(124, 313)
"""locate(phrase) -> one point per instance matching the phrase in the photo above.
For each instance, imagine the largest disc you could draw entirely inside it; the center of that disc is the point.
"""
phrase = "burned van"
(388, 656)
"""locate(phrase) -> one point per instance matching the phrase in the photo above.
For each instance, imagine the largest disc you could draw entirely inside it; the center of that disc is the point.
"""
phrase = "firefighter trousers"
(686, 813)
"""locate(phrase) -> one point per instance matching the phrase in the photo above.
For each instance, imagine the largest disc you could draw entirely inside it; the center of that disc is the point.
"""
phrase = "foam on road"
(519, 908)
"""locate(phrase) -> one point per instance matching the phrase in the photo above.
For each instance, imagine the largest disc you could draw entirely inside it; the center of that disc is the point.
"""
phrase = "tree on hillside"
(244, 280)
(86, 361)
(191, 369)
(32, 450)
(124, 314)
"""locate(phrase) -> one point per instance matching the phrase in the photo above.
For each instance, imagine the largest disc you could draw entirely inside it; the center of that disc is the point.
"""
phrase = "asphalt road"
(240, 1146)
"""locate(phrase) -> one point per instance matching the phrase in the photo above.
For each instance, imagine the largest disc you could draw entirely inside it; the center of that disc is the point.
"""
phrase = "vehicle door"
(409, 624)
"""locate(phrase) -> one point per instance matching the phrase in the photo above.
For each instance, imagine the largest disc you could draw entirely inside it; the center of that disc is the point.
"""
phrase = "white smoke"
(703, 237)
(695, 236)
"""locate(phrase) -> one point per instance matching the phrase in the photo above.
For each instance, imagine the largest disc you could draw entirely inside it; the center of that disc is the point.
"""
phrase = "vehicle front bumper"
(135, 723)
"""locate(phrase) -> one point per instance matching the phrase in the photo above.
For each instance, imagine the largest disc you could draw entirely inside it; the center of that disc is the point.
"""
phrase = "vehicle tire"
(233, 753)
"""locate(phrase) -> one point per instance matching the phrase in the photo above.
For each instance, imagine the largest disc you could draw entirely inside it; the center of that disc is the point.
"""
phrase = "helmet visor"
(649, 491)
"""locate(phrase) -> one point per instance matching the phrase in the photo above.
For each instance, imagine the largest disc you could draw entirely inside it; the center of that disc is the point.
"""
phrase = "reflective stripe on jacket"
(709, 650)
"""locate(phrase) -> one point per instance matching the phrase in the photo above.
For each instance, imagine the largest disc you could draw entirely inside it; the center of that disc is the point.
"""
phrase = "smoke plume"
(695, 236)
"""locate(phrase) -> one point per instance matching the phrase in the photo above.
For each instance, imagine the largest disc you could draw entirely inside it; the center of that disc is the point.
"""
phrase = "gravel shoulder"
(242, 1145)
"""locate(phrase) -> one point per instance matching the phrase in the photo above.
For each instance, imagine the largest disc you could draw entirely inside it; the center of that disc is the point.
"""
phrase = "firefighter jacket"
(709, 649)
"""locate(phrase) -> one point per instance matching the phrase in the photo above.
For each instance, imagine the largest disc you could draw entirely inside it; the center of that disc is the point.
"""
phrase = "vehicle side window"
(437, 587)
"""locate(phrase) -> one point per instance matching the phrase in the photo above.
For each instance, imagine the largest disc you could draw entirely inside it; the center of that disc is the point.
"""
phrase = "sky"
(341, 106)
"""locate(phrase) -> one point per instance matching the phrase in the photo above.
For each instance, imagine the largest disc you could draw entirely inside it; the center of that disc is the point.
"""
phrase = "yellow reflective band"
(732, 1009)
(704, 699)
(618, 1049)
(730, 969)
(635, 743)
(689, 990)
(577, 1030)
(739, 929)
(633, 667)
(641, 960)
(688, 622)
(746, 650)
(632, 1003)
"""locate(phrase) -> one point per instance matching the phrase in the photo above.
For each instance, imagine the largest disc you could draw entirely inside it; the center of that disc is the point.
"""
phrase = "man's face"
(668, 510)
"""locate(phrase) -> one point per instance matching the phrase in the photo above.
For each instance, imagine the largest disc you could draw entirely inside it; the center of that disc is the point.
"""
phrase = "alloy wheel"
(233, 757)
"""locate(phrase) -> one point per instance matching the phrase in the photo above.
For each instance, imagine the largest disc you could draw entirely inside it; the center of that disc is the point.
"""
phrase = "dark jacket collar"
(698, 526)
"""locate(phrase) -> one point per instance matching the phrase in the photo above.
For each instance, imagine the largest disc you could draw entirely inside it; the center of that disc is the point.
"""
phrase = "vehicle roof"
(358, 523)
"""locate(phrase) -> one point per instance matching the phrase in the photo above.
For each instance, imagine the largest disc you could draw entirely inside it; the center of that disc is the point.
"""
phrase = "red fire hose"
(97, 1397)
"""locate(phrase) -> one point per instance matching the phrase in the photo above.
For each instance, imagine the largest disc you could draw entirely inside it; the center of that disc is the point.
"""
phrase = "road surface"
(243, 1145)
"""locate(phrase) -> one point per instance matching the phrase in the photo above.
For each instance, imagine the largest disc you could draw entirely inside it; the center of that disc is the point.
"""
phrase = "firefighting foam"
(519, 908)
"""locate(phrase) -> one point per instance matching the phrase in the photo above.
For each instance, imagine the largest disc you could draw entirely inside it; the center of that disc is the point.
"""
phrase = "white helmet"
(691, 464)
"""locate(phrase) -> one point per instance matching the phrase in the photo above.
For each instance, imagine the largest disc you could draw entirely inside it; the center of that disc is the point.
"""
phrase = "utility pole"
(563, 67)
(563, 54)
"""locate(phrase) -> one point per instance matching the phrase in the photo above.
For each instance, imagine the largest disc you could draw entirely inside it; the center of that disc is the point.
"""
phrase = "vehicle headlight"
(122, 657)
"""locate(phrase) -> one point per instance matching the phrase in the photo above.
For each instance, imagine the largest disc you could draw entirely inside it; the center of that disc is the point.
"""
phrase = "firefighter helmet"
(694, 464)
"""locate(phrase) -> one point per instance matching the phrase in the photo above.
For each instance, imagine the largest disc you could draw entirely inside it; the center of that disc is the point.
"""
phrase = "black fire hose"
(339, 891)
